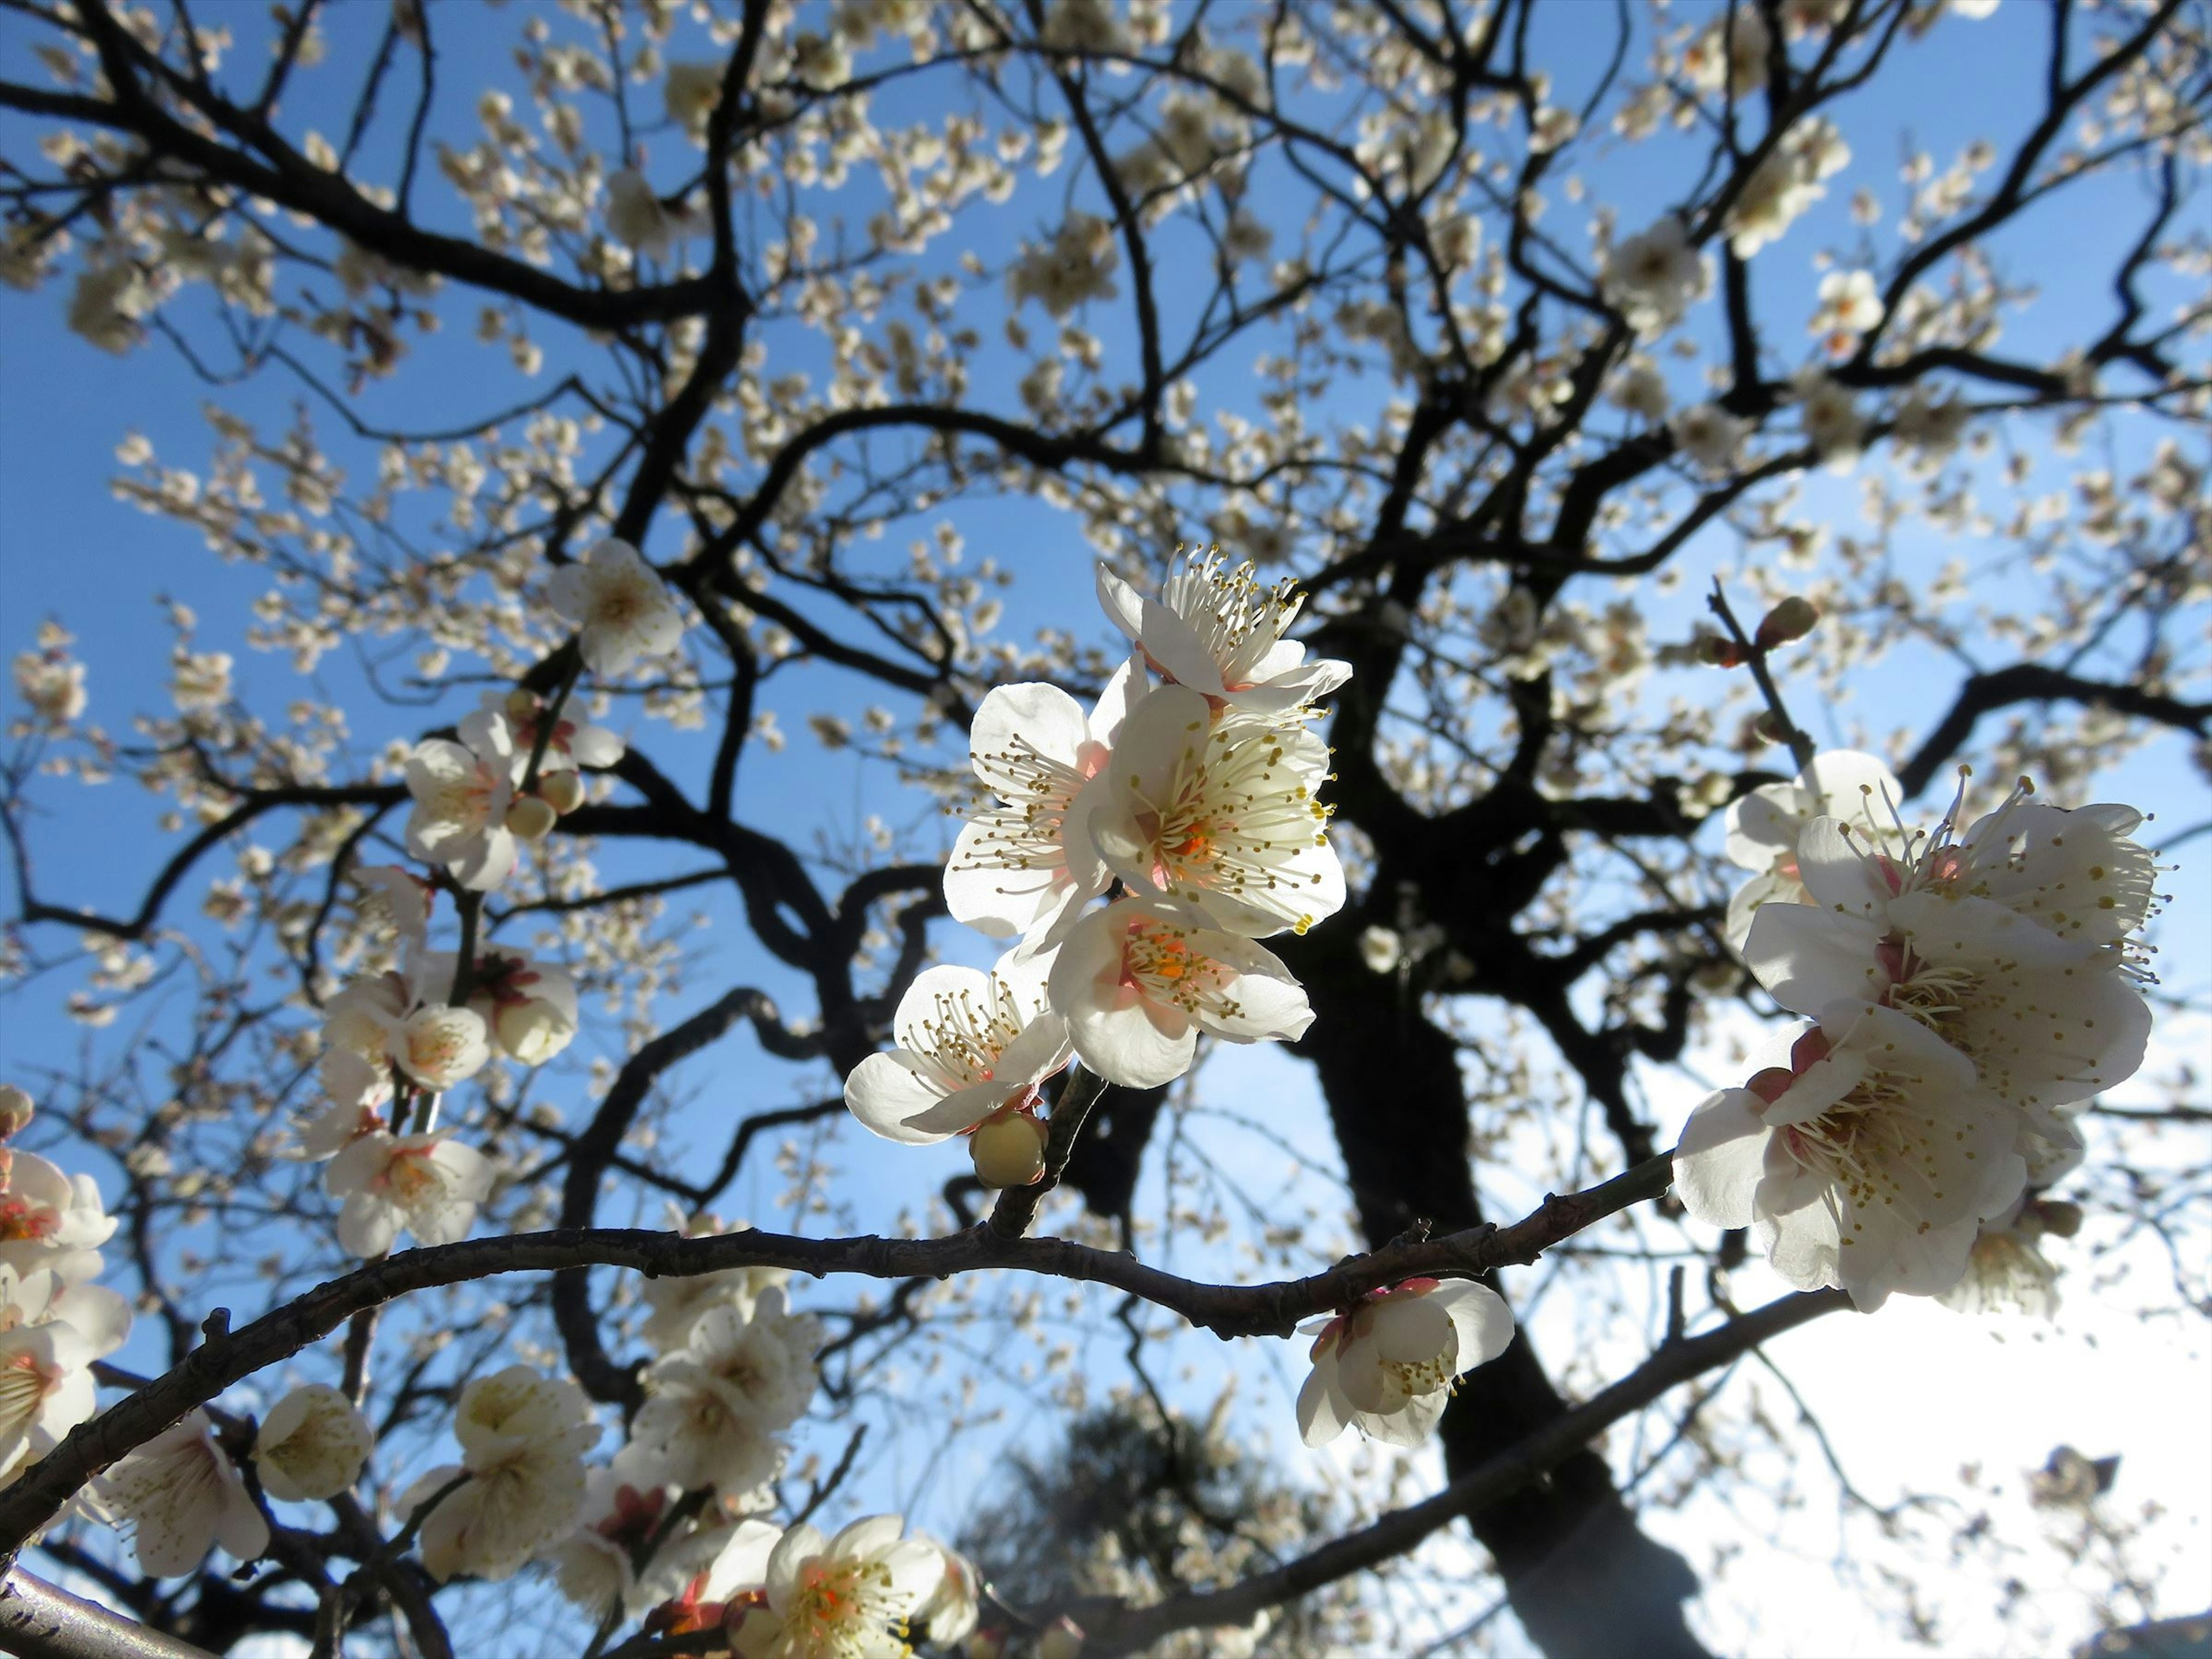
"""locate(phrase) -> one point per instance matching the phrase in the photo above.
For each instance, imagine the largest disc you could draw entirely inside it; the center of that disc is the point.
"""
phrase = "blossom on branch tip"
(712, 1405)
(1220, 633)
(969, 1043)
(180, 1496)
(1386, 1366)
(1140, 981)
(312, 1445)
(620, 605)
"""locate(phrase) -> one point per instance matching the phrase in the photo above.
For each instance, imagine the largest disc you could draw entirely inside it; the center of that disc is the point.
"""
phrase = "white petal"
(1722, 1156)
(884, 1092)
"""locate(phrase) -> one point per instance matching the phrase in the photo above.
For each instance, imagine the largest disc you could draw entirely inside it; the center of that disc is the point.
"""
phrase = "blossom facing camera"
(620, 605)
(1386, 1367)
(523, 1439)
(313, 1445)
(461, 793)
(850, 1596)
(969, 1043)
(427, 1184)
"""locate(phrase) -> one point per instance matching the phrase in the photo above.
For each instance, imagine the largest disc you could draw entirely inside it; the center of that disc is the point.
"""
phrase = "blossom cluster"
(54, 1320)
(1963, 990)
(1187, 797)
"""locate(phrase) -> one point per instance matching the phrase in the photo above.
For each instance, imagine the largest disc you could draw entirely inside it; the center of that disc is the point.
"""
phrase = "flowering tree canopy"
(966, 627)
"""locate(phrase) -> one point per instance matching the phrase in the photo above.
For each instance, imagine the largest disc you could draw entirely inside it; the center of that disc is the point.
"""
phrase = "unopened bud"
(562, 791)
(521, 705)
(2060, 1219)
(1771, 727)
(533, 1031)
(1719, 652)
(1008, 1150)
(1062, 1639)
(531, 818)
(1792, 619)
(15, 1110)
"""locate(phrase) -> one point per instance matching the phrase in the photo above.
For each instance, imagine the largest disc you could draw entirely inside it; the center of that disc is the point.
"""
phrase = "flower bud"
(1062, 1639)
(1770, 727)
(562, 791)
(1719, 652)
(1008, 1150)
(531, 818)
(521, 706)
(15, 1110)
(1792, 619)
(534, 1031)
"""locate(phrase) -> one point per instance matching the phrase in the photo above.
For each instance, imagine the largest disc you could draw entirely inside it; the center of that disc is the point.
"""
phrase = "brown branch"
(2028, 681)
(1229, 1311)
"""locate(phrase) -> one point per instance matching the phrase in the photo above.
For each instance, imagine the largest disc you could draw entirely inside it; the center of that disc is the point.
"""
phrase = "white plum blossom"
(1386, 1366)
(438, 1047)
(953, 1610)
(50, 1220)
(1849, 307)
(461, 793)
(427, 1183)
(523, 1438)
(1709, 437)
(574, 742)
(1928, 428)
(1220, 633)
(50, 1334)
(690, 91)
(1763, 827)
(846, 1597)
(180, 1495)
(678, 1303)
(1867, 1159)
(620, 605)
(1830, 419)
(2008, 943)
(712, 1406)
(1075, 267)
(1222, 817)
(1641, 389)
(1139, 982)
(2006, 1270)
(595, 1565)
(1026, 866)
(396, 898)
(1790, 180)
(52, 686)
(1732, 54)
(640, 220)
(1654, 276)
(526, 1008)
(106, 303)
(312, 1445)
(970, 1044)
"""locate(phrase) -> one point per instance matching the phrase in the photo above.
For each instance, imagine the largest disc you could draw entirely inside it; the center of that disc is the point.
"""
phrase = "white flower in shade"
(1026, 866)
(572, 743)
(847, 1597)
(1771, 199)
(181, 1497)
(1221, 817)
(527, 1007)
(429, 1184)
(1139, 982)
(690, 91)
(953, 1609)
(1654, 276)
(50, 1220)
(595, 1566)
(523, 1439)
(312, 1445)
(1928, 428)
(395, 898)
(1641, 390)
(1075, 267)
(640, 220)
(2006, 1270)
(1220, 633)
(438, 1047)
(1829, 415)
(461, 793)
(1386, 1367)
(678, 1303)
(969, 1043)
(1709, 437)
(712, 1406)
(51, 685)
(106, 303)
(1867, 1160)
(2009, 943)
(1763, 827)
(1732, 54)
(620, 605)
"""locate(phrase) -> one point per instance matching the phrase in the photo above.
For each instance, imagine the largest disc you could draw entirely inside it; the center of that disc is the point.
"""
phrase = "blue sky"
(71, 550)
